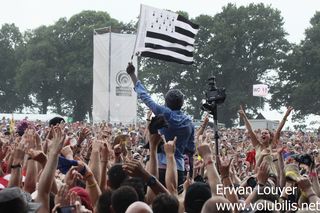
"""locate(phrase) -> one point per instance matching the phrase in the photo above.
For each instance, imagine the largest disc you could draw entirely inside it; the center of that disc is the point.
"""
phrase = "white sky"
(30, 14)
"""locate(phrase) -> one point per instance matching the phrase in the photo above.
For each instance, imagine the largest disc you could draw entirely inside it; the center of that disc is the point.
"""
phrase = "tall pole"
(216, 134)
(109, 81)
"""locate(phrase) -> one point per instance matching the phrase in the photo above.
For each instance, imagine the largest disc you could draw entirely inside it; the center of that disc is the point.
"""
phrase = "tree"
(247, 43)
(37, 75)
(299, 79)
(57, 59)
(79, 58)
(10, 40)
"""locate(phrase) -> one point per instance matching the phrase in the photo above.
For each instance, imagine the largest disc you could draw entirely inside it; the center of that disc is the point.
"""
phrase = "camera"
(214, 95)
(305, 159)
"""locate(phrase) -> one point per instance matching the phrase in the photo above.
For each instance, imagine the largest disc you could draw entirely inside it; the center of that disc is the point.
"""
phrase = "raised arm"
(47, 176)
(156, 123)
(155, 140)
(203, 126)
(212, 172)
(94, 162)
(253, 136)
(16, 166)
(135, 169)
(305, 186)
(31, 178)
(105, 154)
(226, 179)
(282, 177)
(143, 94)
(171, 173)
(92, 186)
(262, 177)
(282, 123)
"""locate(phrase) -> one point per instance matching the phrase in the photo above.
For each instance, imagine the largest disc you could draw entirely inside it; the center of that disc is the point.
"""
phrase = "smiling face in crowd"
(265, 137)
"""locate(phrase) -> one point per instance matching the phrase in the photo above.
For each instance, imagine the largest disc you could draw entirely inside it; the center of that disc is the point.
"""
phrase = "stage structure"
(114, 99)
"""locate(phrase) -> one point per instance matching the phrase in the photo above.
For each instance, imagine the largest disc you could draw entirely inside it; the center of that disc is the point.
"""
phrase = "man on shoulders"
(180, 124)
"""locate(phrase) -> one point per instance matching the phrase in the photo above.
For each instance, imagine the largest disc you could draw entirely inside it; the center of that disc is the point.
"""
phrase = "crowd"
(163, 166)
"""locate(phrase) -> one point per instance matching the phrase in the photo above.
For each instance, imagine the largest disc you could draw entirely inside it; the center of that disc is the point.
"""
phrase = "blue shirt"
(180, 125)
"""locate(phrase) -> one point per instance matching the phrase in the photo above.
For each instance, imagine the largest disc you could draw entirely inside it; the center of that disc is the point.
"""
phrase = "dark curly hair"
(174, 99)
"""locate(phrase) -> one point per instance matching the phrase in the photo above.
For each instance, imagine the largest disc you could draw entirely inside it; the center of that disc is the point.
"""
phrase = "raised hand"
(224, 167)
(38, 156)
(134, 169)
(3, 152)
(187, 182)
(67, 152)
(56, 143)
(96, 145)
(76, 201)
(63, 196)
(263, 173)
(204, 150)
(85, 132)
(72, 176)
(170, 147)
(18, 154)
(155, 140)
(304, 184)
(130, 69)
(206, 120)
(29, 139)
(241, 111)
(105, 152)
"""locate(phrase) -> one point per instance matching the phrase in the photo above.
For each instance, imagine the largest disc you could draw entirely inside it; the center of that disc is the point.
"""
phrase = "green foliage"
(39, 67)
(299, 79)
(79, 58)
(58, 61)
(10, 41)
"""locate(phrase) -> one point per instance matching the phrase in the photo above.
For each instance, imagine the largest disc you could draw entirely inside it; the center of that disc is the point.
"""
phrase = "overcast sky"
(30, 14)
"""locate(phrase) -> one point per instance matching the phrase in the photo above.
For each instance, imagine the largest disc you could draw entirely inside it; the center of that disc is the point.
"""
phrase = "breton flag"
(165, 35)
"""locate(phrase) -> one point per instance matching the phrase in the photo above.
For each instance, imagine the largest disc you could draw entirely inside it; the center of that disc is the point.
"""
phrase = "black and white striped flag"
(165, 35)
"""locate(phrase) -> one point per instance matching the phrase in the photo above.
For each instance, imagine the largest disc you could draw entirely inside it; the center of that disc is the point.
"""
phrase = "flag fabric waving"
(165, 35)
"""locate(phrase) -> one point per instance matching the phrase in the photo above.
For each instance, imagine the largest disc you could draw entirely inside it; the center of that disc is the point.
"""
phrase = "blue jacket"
(180, 125)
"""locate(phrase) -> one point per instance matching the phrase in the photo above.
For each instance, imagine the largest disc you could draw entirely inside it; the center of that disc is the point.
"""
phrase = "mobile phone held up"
(66, 209)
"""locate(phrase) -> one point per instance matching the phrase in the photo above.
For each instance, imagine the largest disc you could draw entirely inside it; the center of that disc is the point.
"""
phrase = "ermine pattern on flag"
(165, 35)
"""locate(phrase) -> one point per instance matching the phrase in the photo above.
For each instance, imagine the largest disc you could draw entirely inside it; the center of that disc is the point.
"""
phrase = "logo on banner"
(123, 81)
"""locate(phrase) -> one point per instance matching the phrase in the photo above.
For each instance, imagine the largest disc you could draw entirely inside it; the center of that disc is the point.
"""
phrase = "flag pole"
(139, 25)
(109, 81)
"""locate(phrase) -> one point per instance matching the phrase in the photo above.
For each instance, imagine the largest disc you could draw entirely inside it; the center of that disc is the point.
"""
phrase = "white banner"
(260, 90)
(114, 99)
